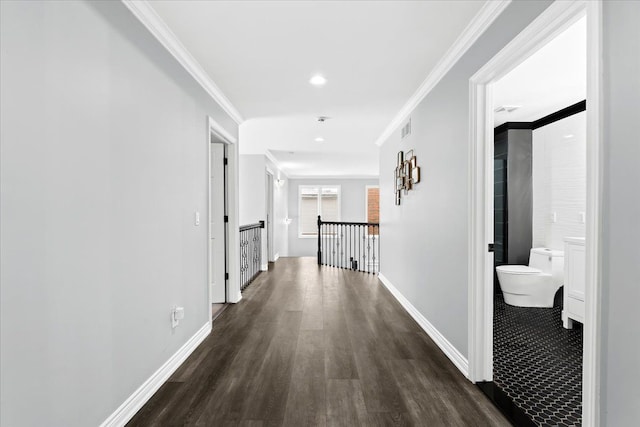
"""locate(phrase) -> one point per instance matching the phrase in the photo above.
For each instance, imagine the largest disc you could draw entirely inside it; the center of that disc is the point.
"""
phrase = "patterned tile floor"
(538, 363)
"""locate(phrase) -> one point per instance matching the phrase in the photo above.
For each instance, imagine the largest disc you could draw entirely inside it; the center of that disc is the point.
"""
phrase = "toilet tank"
(550, 261)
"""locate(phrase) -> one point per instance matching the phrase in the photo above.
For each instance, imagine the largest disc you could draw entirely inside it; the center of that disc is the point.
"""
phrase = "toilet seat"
(518, 269)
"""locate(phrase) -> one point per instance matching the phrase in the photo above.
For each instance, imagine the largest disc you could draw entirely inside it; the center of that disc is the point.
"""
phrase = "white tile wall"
(559, 181)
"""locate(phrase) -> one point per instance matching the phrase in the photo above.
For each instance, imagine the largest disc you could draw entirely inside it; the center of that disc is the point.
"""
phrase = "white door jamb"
(216, 133)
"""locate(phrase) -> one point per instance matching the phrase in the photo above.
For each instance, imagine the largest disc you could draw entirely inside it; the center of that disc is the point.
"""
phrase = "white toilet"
(534, 285)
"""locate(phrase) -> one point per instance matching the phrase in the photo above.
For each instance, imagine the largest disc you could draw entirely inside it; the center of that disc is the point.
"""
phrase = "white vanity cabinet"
(574, 281)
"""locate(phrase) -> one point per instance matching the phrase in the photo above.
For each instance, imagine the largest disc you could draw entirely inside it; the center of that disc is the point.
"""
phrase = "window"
(373, 207)
(314, 201)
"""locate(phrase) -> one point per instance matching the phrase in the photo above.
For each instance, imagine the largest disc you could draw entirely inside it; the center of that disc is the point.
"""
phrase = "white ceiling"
(551, 79)
(261, 54)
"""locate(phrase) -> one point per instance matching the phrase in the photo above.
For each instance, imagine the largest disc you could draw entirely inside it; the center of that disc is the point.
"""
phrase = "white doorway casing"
(269, 182)
(216, 136)
(555, 19)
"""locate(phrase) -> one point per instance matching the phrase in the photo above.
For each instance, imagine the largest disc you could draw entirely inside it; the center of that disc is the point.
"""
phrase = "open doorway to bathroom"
(535, 197)
(539, 210)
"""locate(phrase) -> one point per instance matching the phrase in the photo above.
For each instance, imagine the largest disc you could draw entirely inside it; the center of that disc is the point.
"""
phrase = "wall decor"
(407, 174)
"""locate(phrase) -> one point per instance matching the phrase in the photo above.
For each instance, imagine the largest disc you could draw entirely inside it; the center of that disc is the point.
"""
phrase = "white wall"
(620, 348)
(103, 163)
(559, 181)
(425, 240)
(352, 208)
(280, 212)
(252, 188)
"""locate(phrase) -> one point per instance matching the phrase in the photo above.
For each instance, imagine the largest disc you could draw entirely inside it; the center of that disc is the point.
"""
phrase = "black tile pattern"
(538, 363)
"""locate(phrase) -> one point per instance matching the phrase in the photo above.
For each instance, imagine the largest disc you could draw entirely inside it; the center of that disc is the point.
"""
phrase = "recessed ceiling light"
(318, 80)
(319, 139)
(569, 136)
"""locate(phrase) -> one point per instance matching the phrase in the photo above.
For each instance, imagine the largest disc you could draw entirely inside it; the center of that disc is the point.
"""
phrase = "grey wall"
(252, 194)
(620, 348)
(352, 208)
(103, 163)
(424, 251)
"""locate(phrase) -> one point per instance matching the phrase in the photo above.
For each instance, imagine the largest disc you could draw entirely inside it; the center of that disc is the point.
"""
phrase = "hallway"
(317, 346)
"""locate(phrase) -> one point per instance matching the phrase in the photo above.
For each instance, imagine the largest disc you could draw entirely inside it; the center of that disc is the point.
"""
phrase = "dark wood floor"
(311, 346)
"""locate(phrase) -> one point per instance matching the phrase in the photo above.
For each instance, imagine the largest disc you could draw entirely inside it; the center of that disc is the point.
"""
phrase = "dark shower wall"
(513, 225)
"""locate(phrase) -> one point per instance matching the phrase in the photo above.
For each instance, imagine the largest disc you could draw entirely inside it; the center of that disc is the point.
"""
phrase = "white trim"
(593, 249)
(145, 13)
(273, 160)
(555, 19)
(269, 224)
(232, 239)
(264, 267)
(220, 132)
(447, 348)
(478, 25)
(132, 405)
(276, 257)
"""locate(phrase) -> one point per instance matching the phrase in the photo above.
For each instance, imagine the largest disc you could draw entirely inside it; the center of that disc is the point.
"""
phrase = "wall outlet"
(177, 314)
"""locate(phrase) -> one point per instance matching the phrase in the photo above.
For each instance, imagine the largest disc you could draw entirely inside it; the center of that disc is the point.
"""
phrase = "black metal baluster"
(335, 245)
(359, 248)
(373, 250)
(342, 246)
(378, 249)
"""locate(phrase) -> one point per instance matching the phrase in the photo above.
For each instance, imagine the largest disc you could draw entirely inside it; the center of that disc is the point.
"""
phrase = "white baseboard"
(447, 348)
(276, 257)
(264, 267)
(132, 405)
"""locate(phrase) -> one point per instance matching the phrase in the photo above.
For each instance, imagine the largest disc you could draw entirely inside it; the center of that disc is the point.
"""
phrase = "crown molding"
(273, 160)
(145, 13)
(478, 25)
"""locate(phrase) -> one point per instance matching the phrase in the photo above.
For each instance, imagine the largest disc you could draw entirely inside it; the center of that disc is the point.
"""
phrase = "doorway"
(218, 225)
(222, 286)
(269, 207)
(553, 21)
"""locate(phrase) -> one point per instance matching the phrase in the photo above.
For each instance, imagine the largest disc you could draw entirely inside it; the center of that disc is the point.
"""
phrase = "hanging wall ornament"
(407, 174)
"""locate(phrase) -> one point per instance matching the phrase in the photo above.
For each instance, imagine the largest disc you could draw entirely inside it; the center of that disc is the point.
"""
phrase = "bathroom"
(540, 175)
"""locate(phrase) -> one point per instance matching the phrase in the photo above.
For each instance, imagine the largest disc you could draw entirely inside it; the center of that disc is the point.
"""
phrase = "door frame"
(217, 134)
(269, 208)
(555, 19)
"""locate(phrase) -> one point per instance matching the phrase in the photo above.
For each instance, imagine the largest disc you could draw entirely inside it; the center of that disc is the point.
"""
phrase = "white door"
(217, 209)
(269, 224)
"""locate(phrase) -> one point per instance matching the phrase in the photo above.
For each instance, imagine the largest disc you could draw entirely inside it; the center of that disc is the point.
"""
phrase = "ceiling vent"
(406, 129)
(322, 119)
(506, 108)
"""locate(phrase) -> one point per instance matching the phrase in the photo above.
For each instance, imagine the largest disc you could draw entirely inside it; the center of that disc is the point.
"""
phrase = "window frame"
(319, 187)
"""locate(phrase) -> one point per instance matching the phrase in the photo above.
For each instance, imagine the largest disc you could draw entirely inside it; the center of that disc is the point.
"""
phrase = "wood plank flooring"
(310, 346)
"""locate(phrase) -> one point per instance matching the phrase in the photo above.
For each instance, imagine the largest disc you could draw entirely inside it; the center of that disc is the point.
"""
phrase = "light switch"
(177, 314)
(582, 216)
(554, 217)
(197, 218)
